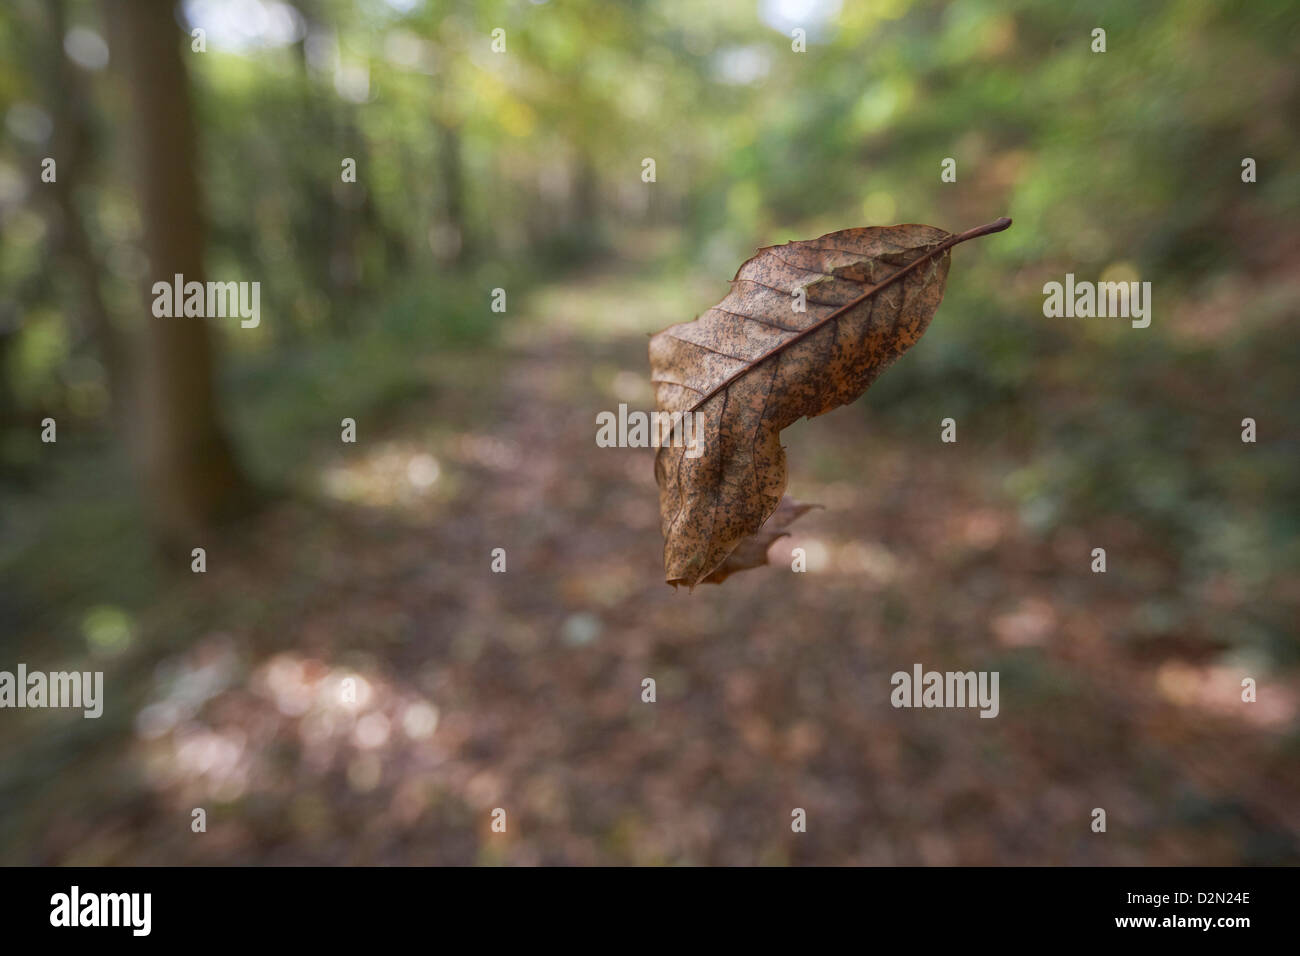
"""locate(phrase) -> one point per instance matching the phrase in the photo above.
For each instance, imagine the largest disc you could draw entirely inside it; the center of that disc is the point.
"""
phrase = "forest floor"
(522, 690)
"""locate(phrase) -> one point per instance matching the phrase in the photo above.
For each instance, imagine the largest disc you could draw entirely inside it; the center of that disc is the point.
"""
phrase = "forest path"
(473, 690)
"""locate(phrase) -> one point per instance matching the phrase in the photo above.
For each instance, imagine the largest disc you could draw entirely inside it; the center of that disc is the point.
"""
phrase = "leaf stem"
(997, 225)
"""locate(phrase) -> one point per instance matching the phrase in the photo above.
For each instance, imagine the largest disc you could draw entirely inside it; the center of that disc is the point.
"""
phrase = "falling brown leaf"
(753, 364)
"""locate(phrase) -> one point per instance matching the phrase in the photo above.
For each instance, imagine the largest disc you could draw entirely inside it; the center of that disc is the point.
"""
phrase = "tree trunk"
(73, 147)
(452, 168)
(188, 469)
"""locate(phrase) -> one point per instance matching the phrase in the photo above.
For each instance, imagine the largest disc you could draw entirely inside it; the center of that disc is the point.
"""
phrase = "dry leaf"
(752, 551)
(753, 365)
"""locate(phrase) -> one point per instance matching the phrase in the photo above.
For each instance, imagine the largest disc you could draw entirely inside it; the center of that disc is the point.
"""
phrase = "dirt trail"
(473, 690)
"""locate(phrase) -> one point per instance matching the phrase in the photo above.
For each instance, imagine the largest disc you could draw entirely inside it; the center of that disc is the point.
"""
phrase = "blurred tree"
(74, 145)
(187, 465)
